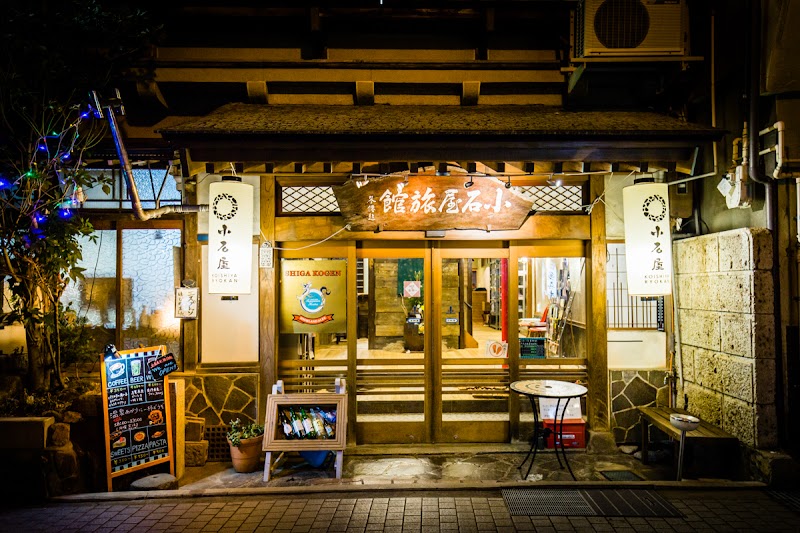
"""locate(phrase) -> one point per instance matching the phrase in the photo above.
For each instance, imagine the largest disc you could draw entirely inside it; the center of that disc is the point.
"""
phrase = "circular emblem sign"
(225, 206)
(654, 207)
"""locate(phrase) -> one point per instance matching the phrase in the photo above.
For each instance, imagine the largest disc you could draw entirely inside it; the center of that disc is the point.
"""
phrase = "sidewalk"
(414, 492)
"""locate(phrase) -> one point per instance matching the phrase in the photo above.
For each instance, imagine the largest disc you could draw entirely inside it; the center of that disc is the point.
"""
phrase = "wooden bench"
(705, 432)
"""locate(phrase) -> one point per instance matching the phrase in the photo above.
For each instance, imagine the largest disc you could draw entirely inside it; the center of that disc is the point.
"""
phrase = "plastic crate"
(574, 433)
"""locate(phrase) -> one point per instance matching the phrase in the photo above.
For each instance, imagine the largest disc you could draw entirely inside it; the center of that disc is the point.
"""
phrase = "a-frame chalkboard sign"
(138, 427)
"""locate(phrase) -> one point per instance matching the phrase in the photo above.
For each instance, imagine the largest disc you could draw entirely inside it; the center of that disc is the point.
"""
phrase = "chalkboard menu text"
(137, 412)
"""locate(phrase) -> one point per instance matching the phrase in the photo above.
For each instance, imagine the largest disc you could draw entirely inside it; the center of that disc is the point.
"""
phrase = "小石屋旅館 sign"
(431, 203)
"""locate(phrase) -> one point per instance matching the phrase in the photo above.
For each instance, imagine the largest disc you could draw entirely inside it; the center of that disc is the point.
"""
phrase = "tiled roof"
(526, 121)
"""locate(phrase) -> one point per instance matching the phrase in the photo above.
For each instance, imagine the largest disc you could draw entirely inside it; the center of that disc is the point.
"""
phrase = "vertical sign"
(230, 240)
(648, 240)
(313, 296)
(138, 428)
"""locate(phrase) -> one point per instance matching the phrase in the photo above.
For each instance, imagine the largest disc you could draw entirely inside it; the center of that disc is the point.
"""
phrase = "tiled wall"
(725, 310)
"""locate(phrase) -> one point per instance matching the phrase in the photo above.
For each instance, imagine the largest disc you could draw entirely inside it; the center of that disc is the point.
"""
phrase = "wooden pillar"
(268, 299)
(597, 400)
(192, 265)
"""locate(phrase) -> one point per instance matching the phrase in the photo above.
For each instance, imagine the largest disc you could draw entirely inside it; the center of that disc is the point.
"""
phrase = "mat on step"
(620, 475)
(590, 502)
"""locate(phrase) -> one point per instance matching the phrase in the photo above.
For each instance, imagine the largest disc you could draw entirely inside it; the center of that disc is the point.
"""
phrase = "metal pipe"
(770, 208)
(127, 171)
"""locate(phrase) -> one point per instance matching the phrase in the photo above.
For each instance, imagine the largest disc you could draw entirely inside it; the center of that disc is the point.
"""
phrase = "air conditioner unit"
(625, 28)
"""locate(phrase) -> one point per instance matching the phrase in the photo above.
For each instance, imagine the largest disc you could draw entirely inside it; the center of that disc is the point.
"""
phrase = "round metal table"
(548, 388)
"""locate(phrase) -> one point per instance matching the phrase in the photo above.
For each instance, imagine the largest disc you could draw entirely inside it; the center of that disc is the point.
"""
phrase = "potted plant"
(245, 443)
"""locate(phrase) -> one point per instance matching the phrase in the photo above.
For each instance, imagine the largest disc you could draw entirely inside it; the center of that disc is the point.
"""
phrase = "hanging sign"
(137, 423)
(648, 240)
(230, 240)
(431, 203)
(313, 296)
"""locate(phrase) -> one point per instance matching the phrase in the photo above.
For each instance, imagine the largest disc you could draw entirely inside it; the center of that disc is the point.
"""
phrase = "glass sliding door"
(471, 359)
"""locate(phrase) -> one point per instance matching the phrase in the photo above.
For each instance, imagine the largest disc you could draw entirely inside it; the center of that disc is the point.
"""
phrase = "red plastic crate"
(574, 433)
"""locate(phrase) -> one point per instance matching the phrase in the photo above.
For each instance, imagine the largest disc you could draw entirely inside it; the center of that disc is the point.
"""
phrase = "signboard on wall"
(230, 240)
(138, 428)
(648, 239)
(431, 203)
(313, 296)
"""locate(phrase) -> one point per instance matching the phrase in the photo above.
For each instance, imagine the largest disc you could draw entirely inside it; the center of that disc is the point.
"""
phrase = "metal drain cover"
(620, 475)
(540, 502)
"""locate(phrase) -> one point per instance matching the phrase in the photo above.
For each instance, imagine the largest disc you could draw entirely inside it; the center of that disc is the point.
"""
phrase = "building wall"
(726, 327)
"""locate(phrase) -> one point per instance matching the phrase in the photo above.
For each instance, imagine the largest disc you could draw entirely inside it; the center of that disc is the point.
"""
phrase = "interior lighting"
(469, 184)
(508, 182)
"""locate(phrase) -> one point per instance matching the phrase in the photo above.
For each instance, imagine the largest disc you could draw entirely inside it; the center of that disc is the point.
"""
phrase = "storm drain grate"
(590, 502)
(218, 448)
(788, 499)
(539, 502)
(620, 475)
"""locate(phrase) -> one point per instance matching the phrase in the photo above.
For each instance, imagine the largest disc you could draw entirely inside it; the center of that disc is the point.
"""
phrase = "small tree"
(52, 54)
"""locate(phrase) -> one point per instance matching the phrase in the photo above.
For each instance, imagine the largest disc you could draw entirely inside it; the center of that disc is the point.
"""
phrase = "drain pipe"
(125, 163)
(770, 205)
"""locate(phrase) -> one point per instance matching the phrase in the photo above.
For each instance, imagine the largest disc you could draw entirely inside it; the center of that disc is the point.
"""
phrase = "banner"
(230, 239)
(313, 296)
(648, 239)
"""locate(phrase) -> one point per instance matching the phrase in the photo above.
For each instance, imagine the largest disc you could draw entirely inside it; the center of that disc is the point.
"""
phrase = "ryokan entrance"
(431, 363)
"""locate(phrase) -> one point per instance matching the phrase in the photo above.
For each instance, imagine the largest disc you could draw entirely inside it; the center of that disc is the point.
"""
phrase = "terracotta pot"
(245, 456)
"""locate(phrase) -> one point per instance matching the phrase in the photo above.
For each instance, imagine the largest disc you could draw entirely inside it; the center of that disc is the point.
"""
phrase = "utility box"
(573, 433)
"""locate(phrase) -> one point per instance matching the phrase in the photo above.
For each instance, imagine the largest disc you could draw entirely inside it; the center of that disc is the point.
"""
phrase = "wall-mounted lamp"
(469, 184)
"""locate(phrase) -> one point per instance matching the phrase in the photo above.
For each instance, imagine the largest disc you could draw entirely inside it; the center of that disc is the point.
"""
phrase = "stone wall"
(631, 389)
(220, 398)
(724, 305)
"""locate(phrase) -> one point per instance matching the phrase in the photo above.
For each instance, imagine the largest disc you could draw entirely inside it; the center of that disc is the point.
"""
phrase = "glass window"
(151, 183)
(150, 272)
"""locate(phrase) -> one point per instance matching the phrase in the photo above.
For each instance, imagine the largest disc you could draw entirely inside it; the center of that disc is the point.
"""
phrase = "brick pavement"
(475, 511)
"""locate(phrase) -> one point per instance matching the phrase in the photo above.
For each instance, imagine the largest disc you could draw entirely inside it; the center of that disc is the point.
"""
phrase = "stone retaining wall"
(726, 319)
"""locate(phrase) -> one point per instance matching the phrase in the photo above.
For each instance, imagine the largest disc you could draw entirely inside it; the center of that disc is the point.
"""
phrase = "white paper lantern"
(648, 240)
(230, 240)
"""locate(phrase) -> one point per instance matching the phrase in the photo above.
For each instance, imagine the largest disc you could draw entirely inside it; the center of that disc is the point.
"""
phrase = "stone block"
(764, 336)
(195, 428)
(700, 328)
(66, 463)
(763, 292)
(687, 290)
(26, 432)
(196, 453)
(706, 372)
(735, 250)
(737, 376)
(763, 380)
(745, 249)
(705, 403)
(71, 417)
(738, 419)
(58, 434)
(697, 254)
(766, 426)
(731, 292)
(156, 482)
(736, 334)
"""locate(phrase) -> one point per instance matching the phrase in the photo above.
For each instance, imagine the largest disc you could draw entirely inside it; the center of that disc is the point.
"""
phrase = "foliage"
(41, 403)
(240, 430)
(77, 339)
(51, 55)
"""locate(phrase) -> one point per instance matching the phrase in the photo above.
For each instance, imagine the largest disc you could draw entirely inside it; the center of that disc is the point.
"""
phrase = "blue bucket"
(315, 458)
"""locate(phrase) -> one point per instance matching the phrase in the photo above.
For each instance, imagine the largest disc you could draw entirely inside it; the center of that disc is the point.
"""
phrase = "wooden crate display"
(274, 436)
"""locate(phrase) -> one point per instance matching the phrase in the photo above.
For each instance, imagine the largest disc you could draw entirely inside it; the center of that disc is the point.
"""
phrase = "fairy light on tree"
(51, 55)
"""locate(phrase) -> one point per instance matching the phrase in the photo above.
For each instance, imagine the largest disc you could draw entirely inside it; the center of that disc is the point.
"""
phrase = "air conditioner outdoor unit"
(625, 28)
